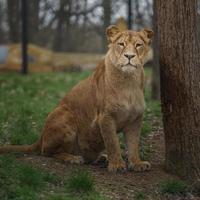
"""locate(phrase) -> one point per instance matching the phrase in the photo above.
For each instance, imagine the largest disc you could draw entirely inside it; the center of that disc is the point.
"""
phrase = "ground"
(25, 102)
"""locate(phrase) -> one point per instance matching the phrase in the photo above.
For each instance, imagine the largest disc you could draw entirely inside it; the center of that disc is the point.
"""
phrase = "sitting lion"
(111, 100)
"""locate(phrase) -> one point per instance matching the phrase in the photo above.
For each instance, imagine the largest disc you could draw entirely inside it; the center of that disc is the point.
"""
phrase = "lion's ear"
(147, 35)
(111, 32)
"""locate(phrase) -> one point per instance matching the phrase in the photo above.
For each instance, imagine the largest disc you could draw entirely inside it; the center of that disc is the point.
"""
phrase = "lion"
(109, 101)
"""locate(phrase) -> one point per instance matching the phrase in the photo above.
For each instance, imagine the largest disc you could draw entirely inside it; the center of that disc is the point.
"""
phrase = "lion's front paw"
(117, 166)
(139, 166)
(102, 160)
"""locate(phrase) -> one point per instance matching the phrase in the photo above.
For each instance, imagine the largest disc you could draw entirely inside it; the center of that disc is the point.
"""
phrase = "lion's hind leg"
(62, 146)
(59, 139)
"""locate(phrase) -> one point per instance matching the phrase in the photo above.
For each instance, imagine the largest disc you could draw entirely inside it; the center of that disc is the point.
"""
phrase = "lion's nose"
(129, 56)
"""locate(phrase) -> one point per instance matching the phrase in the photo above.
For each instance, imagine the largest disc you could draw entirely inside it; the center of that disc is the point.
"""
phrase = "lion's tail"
(33, 148)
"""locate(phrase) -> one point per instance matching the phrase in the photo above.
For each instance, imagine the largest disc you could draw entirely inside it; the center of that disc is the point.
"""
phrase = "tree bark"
(180, 85)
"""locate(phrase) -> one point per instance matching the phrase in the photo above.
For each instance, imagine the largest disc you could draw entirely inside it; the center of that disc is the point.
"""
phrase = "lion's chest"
(127, 107)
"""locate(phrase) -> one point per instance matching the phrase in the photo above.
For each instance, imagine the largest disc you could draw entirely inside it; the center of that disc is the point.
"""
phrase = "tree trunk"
(2, 18)
(138, 15)
(106, 20)
(62, 32)
(33, 20)
(13, 14)
(85, 18)
(155, 86)
(180, 85)
(60, 27)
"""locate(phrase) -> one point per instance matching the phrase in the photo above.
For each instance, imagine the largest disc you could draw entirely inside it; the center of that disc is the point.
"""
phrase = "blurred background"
(60, 31)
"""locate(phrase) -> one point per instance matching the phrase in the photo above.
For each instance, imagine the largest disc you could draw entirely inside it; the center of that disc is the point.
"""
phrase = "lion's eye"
(121, 44)
(138, 45)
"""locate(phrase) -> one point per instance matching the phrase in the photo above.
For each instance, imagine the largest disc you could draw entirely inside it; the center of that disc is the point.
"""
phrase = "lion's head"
(128, 49)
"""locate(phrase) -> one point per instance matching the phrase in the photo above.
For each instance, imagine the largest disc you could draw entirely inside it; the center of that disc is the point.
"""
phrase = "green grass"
(80, 181)
(18, 180)
(173, 187)
(21, 181)
(79, 185)
(25, 102)
(145, 149)
(30, 177)
(140, 196)
(146, 128)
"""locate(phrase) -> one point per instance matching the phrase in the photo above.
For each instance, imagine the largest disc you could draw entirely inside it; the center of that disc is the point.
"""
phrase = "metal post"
(129, 5)
(24, 37)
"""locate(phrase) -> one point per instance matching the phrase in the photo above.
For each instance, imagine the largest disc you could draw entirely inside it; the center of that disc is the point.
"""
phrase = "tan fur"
(111, 100)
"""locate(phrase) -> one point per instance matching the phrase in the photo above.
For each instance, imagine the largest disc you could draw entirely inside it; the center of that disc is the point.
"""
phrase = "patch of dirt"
(121, 186)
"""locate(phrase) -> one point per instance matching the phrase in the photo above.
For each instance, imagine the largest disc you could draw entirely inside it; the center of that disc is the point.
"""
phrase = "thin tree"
(63, 17)
(180, 85)
(107, 11)
(33, 20)
(155, 86)
(13, 15)
(2, 19)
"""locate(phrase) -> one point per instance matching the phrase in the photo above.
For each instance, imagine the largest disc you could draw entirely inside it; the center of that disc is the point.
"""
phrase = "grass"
(140, 196)
(79, 185)
(30, 177)
(80, 181)
(145, 149)
(146, 128)
(28, 100)
(18, 180)
(21, 181)
(174, 187)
